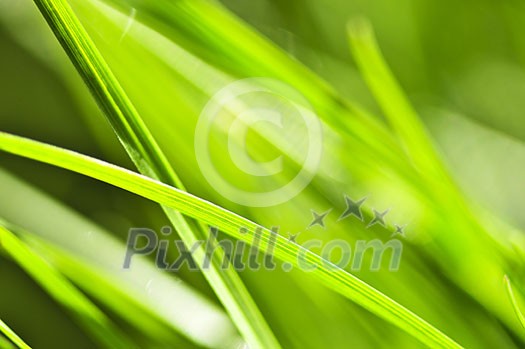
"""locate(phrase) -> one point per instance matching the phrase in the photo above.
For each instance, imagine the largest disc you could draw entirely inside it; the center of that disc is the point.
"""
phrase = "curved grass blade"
(12, 336)
(150, 161)
(236, 226)
(514, 301)
(64, 292)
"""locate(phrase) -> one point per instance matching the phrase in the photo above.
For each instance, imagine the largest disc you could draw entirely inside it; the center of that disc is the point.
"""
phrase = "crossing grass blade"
(330, 275)
(150, 160)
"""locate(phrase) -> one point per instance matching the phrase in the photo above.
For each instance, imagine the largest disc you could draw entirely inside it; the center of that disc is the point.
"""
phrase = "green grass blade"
(117, 294)
(514, 301)
(12, 336)
(64, 292)
(333, 277)
(391, 98)
(149, 159)
(90, 257)
(468, 232)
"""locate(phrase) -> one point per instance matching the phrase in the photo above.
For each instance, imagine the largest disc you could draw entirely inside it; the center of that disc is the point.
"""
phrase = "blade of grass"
(468, 233)
(64, 292)
(91, 258)
(100, 285)
(12, 336)
(330, 275)
(400, 113)
(514, 301)
(149, 159)
(390, 97)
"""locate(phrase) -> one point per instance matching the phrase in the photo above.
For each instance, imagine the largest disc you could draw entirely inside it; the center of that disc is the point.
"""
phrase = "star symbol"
(293, 237)
(399, 230)
(353, 208)
(319, 218)
(379, 217)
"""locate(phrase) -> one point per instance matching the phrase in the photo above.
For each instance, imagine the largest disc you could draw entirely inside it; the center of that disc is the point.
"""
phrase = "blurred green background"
(462, 64)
